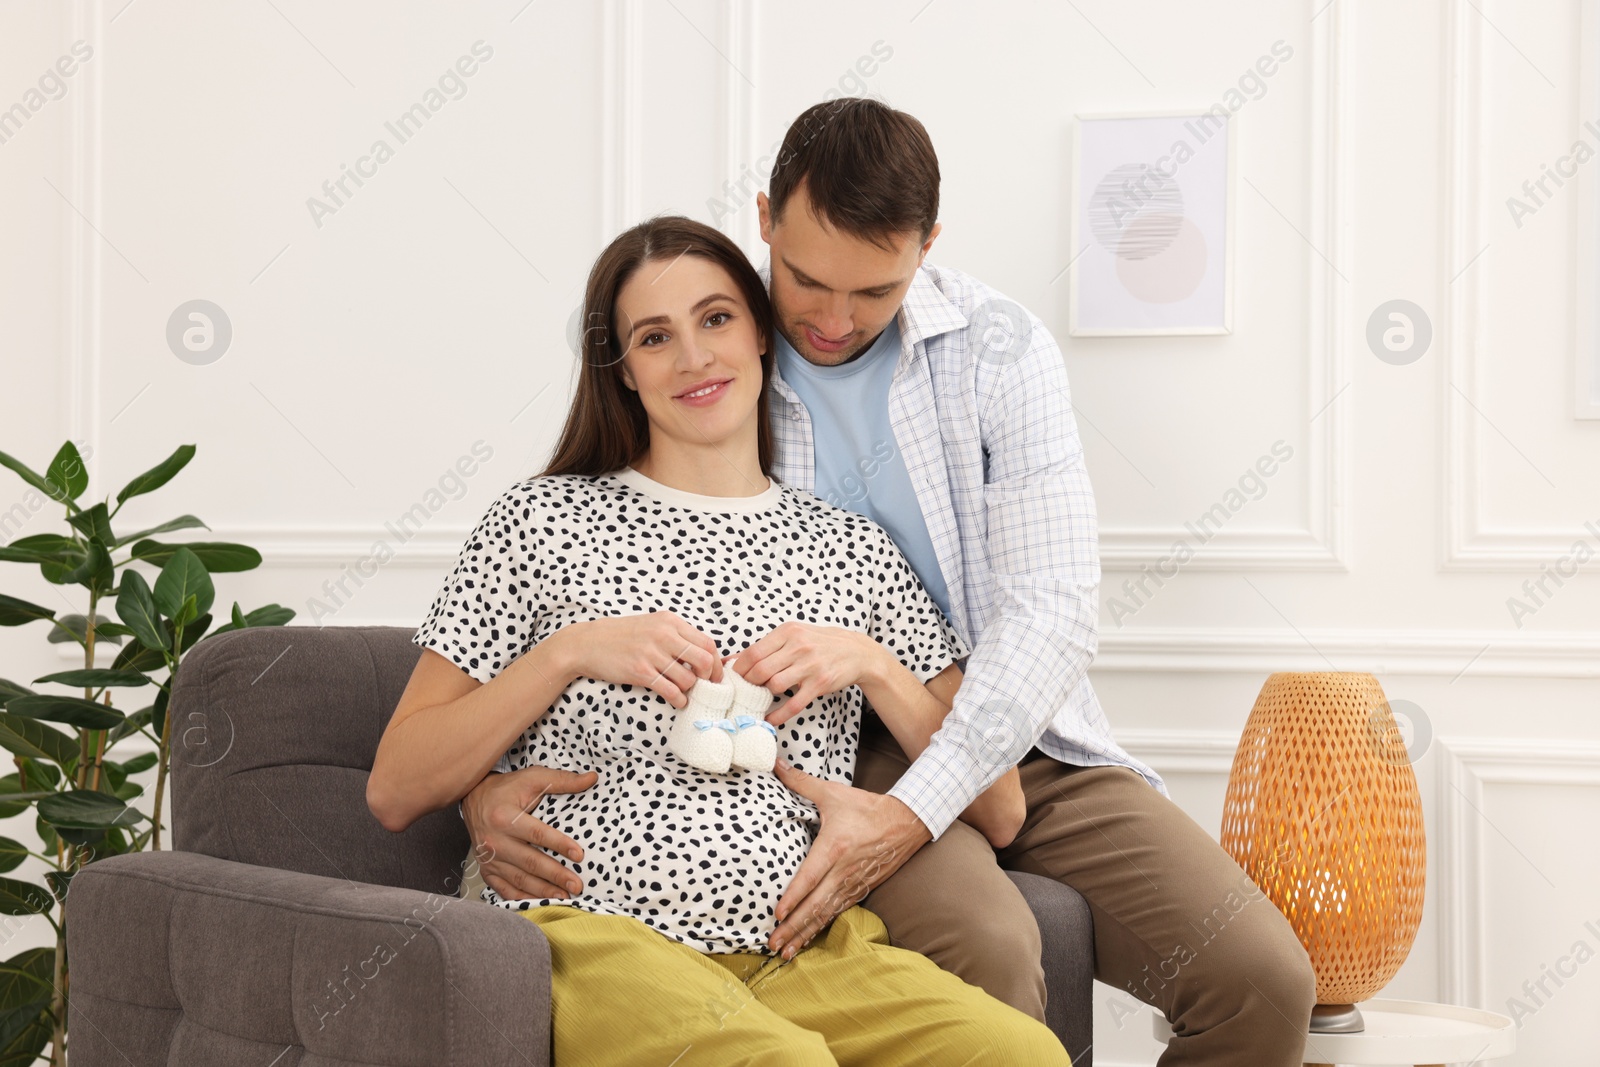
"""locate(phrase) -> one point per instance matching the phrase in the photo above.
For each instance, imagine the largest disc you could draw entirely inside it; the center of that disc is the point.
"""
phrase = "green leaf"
(41, 773)
(14, 612)
(182, 576)
(158, 712)
(60, 572)
(136, 657)
(49, 489)
(13, 802)
(94, 523)
(137, 609)
(9, 689)
(112, 776)
(95, 573)
(23, 898)
(159, 475)
(269, 615)
(12, 853)
(87, 809)
(60, 883)
(182, 522)
(48, 838)
(218, 556)
(42, 548)
(130, 725)
(32, 738)
(32, 1034)
(26, 977)
(79, 625)
(75, 711)
(95, 677)
(193, 631)
(26, 1024)
(189, 612)
(140, 763)
(67, 470)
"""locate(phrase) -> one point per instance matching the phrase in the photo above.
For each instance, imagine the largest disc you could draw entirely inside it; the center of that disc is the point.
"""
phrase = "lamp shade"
(1322, 812)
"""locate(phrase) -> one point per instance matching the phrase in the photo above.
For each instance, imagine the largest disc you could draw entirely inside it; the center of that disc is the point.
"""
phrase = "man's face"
(833, 293)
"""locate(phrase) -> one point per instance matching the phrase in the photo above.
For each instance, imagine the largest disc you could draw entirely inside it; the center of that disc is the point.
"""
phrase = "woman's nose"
(693, 354)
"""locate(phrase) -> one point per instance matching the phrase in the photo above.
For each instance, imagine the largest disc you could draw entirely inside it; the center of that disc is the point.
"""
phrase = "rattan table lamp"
(1322, 812)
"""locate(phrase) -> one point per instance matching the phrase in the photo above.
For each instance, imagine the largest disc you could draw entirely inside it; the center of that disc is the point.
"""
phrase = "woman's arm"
(913, 712)
(449, 729)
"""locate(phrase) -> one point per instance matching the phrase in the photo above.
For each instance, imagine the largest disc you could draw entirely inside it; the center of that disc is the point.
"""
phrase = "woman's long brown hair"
(606, 427)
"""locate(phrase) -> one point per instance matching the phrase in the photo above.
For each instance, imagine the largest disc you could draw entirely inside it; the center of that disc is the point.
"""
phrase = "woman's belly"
(700, 857)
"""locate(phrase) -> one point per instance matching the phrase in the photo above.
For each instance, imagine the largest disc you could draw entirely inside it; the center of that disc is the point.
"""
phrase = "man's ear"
(764, 209)
(933, 235)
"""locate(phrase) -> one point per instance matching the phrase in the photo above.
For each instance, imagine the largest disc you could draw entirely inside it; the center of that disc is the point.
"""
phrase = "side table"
(1406, 1031)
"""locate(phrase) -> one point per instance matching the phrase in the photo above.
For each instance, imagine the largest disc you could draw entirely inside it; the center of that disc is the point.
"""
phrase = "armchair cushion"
(215, 961)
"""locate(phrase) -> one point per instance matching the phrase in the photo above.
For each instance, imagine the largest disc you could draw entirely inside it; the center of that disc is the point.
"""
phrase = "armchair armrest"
(180, 957)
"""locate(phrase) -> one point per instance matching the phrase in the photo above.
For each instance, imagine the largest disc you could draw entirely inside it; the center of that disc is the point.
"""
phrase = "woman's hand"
(812, 660)
(659, 651)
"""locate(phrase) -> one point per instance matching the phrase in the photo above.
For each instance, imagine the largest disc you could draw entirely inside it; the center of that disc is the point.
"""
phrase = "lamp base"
(1336, 1019)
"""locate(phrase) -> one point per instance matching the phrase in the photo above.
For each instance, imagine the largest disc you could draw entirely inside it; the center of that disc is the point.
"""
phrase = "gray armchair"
(289, 928)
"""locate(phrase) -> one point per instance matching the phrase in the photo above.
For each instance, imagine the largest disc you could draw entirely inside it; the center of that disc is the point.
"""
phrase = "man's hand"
(864, 838)
(812, 660)
(509, 842)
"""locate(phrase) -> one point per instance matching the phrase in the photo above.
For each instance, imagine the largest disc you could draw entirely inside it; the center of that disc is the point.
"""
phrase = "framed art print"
(1152, 224)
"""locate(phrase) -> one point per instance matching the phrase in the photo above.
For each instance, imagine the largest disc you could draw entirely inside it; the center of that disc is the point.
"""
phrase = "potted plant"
(61, 744)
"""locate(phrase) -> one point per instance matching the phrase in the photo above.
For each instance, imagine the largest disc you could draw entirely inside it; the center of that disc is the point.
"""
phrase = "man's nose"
(836, 319)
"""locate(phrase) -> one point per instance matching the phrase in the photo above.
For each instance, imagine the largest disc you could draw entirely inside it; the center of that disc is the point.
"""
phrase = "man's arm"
(1044, 559)
(913, 712)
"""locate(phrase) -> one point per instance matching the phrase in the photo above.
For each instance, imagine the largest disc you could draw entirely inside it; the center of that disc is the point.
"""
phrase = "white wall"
(429, 311)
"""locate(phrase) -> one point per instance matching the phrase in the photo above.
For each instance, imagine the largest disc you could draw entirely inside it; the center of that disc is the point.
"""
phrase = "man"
(926, 400)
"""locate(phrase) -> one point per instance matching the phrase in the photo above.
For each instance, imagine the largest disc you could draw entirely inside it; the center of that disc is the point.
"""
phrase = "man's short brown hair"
(869, 170)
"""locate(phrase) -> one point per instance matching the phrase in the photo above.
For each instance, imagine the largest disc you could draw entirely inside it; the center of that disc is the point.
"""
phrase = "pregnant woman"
(584, 608)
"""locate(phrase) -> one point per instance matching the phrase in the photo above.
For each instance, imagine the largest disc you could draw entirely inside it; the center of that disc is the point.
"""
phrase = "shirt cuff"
(937, 787)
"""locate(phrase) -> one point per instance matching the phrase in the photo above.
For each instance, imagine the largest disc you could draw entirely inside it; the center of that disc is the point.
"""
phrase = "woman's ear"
(627, 376)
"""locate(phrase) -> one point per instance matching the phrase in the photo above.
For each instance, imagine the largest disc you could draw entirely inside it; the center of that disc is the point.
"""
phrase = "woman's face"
(691, 351)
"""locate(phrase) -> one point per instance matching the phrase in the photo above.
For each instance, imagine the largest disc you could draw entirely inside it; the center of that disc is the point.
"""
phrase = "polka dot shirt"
(699, 857)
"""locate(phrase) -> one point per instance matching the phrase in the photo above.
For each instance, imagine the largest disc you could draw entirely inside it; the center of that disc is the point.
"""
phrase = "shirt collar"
(925, 312)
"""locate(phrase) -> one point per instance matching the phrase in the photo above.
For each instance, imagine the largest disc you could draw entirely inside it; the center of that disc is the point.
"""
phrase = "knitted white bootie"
(702, 735)
(755, 745)
(724, 727)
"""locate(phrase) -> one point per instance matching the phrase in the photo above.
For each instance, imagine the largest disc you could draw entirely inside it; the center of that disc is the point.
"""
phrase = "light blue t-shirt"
(858, 461)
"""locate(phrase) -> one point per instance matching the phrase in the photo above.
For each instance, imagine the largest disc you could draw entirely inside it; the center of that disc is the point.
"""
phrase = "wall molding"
(1447, 653)
(621, 113)
(1324, 544)
(1466, 543)
(740, 34)
(1181, 751)
(1468, 764)
(84, 160)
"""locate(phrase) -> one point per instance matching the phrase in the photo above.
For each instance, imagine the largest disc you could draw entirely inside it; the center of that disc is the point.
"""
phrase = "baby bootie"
(702, 734)
(755, 745)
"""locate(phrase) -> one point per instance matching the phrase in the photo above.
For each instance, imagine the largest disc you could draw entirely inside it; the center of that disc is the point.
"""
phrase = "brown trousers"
(1177, 923)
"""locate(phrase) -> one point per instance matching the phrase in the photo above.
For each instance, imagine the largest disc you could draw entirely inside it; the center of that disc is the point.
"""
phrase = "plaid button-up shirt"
(982, 414)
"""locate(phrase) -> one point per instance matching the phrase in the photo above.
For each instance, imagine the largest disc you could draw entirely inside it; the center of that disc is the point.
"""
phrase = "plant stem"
(58, 999)
(161, 778)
